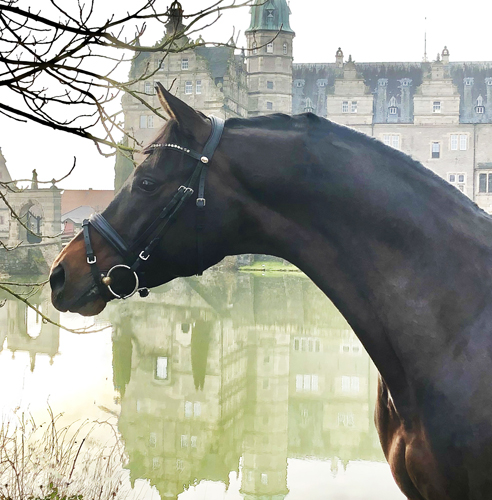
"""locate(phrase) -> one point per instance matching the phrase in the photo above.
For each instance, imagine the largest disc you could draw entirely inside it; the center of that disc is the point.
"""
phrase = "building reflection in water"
(239, 372)
(23, 330)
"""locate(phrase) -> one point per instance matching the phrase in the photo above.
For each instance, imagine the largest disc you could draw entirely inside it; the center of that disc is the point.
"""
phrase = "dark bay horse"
(404, 256)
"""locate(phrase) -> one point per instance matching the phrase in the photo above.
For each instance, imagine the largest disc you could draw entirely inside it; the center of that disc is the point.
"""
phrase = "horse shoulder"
(407, 452)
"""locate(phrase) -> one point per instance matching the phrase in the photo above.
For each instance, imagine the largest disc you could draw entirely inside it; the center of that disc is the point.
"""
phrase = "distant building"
(439, 112)
(98, 199)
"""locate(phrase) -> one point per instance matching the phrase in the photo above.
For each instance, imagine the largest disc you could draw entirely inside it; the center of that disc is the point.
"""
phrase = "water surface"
(226, 386)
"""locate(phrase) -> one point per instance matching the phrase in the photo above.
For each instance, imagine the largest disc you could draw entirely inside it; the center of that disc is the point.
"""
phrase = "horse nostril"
(57, 279)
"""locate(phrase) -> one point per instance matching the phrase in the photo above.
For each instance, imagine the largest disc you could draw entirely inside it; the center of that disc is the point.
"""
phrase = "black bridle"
(132, 278)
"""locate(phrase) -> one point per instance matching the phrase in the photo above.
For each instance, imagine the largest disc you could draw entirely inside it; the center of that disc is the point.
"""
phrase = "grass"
(270, 267)
(46, 462)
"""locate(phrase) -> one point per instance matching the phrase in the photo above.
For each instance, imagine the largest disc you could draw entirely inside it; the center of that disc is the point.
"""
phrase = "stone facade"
(38, 209)
(438, 112)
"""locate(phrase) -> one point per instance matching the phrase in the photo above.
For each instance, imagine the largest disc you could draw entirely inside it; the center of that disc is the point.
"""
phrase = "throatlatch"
(124, 280)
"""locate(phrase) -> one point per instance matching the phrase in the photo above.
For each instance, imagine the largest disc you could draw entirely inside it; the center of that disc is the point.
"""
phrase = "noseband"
(130, 275)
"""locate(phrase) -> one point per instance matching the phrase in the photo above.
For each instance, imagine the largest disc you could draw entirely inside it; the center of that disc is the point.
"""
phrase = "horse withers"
(404, 256)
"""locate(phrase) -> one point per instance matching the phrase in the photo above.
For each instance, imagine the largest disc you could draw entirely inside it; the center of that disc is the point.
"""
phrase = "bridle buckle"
(201, 202)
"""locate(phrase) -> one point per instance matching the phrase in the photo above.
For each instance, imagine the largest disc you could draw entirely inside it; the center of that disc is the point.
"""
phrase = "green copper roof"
(270, 15)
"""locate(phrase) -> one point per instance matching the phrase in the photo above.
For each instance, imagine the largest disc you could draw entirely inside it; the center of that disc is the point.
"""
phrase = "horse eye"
(148, 185)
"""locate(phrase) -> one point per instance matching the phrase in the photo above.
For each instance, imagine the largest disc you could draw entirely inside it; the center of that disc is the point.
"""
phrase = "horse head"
(160, 224)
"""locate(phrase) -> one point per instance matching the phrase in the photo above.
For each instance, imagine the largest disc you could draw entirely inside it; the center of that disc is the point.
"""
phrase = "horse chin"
(92, 308)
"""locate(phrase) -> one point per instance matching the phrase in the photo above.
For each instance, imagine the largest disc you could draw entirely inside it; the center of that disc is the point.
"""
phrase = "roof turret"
(272, 15)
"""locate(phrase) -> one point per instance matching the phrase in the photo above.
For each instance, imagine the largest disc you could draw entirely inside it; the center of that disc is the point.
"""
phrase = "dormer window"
(436, 107)
(480, 108)
(392, 108)
(270, 13)
(269, 48)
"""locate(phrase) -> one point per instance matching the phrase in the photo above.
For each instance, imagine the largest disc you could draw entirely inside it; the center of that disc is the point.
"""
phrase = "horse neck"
(401, 254)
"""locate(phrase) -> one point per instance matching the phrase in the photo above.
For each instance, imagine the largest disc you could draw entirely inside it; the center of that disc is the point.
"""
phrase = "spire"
(175, 16)
(270, 15)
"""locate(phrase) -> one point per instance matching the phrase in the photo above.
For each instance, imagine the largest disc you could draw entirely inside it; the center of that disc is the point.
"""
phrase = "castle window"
(345, 107)
(188, 87)
(255, 49)
(269, 105)
(353, 107)
(392, 140)
(270, 85)
(269, 48)
(480, 110)
(436, 150)
(463, 142)
(436, 107)
(393, 110)
(198, 86)
(485, 183)
(147, 121)
(458, 180)
(454, 142)
(285, 48)
(184, 63)
(148, 88)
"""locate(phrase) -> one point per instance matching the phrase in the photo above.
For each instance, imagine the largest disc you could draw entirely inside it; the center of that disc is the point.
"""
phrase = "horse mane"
(310, 122)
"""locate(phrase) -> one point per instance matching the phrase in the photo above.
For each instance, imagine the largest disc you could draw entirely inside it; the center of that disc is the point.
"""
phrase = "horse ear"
(189, 120)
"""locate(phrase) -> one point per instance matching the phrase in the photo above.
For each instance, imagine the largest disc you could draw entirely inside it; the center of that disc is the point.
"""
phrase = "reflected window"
(193, 441)
(156, 463)
(197, 409)
(307, 383)
(34, 321)
(179, 464)
(346, 419)
(184, 441)
(264, 479)
(350, 384)
(153, 440)
(161, 368)
(188, 409)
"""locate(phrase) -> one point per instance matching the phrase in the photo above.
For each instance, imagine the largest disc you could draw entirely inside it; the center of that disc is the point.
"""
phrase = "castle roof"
(271, 15)
(306, 78)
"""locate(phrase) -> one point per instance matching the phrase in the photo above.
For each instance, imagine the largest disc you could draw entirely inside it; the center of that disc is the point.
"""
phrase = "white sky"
(370, 31)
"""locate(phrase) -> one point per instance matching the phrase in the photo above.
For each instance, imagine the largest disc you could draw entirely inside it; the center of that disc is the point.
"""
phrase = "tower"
(269, 58)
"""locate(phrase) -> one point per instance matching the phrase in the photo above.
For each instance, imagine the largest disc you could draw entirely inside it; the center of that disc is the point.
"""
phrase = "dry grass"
(49, 461)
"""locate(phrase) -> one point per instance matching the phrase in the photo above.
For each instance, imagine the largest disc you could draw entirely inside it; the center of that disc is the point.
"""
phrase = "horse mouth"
(88, 303)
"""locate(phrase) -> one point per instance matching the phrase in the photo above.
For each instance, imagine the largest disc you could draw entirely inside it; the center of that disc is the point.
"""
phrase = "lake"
(228, 386)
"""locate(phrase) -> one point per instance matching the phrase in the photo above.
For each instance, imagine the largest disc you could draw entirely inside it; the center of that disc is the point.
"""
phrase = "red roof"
(98, 199)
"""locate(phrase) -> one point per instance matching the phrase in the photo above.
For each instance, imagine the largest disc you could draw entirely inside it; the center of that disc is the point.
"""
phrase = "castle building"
(439, 112)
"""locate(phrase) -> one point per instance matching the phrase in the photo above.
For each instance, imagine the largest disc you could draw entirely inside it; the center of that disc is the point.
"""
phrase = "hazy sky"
(369, 31)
